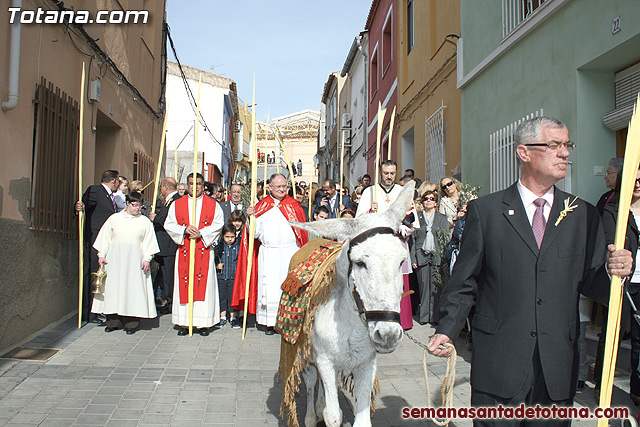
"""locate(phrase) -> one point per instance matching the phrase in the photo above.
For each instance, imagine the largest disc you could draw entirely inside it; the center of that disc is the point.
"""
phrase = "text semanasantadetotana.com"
(43, 16)
(517, 412)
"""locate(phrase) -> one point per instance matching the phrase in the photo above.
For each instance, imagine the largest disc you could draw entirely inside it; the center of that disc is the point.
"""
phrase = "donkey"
(361, 316)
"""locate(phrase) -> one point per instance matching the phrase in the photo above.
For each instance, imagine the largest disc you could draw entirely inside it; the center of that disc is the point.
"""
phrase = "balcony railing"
(515, 12)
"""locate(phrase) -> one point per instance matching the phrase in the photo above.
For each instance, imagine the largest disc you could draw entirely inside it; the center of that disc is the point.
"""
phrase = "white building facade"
(214, 128)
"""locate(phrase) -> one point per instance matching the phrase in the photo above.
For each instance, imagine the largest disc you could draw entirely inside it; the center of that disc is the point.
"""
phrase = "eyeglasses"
(447, 185)
(135, 204)
(611, 173)
(554, 145)
(637, 181)
(433, 199)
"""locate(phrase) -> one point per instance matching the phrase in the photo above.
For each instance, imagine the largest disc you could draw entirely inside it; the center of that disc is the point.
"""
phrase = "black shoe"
(165, 309)
(94, 318)
(270, 331)
(110, 329)
(580, 386)
(130, 331)
(204, 332)
(182, 332)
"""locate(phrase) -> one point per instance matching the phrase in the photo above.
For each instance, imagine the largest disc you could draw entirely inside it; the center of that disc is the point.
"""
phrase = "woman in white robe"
(125, 244)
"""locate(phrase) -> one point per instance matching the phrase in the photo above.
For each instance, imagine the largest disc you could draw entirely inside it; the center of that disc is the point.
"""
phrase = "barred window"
(142, 167)
(435, 138)
(55, 158)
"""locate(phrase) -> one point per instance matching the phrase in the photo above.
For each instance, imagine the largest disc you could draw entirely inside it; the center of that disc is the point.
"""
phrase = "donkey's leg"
(332, 412)
(310, 376)
(363, 378)
(320, 402)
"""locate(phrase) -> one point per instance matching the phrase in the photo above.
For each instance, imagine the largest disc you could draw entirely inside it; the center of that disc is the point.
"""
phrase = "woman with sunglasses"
(450, 198)
(426, 248)
(126, 243)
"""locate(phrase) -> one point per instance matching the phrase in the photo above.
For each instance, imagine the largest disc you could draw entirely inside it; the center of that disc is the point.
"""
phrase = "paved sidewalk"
(155, 377)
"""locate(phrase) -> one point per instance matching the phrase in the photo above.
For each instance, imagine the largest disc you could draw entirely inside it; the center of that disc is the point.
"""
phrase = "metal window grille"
(503, 167)
(142, 167)
(55, 157)
(434, 153)
(514, 12)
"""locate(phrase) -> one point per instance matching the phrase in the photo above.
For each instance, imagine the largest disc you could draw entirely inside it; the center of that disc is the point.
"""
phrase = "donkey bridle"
(370, 315)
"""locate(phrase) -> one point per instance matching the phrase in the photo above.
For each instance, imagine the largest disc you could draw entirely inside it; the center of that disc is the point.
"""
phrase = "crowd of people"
(510, 265)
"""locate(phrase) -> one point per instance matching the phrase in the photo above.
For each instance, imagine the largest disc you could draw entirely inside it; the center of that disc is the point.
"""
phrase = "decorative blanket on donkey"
(298, 286)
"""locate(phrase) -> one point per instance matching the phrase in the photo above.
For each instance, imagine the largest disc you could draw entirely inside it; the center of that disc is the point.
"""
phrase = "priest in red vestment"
(276, 242)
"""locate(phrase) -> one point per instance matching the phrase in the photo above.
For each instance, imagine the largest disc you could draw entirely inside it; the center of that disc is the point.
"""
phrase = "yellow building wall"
(39, 284)
(427, 79)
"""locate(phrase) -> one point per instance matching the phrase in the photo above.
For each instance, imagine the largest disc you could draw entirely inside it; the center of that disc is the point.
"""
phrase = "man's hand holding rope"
(435, 344)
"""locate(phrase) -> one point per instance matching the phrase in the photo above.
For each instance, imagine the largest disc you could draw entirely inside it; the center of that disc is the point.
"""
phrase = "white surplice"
(125, 241)
(385, 200)
(205, 313)
(278, 246)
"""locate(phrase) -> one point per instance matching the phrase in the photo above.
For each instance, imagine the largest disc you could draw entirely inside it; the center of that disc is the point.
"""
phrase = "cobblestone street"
(155, 377)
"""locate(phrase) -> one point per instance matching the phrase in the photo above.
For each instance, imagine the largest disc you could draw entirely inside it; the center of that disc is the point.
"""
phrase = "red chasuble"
(292, 211)
(202, 252)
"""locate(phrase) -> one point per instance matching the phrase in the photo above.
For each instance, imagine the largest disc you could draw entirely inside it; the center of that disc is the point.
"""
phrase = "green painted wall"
(564, 66)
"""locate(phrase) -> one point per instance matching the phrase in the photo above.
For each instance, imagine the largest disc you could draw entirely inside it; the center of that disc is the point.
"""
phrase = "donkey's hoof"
(310, 421)
(334, 419)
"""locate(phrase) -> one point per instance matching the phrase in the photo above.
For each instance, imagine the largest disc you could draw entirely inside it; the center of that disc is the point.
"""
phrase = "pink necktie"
(539, 223)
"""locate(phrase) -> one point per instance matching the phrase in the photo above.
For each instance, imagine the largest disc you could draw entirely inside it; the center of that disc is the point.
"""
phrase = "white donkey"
(361, 317)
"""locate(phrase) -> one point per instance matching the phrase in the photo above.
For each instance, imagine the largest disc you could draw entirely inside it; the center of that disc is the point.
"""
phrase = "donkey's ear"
(334, 229)
(398, 210)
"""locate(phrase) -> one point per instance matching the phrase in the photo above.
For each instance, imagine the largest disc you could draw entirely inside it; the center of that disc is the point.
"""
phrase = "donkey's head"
(370, 266)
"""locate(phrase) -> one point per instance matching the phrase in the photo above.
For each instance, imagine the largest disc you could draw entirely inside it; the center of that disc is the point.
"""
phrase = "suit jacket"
(98, 206)
(166, 244)
(609, 218)
(524, 296)
(440, 225)
(226, 210)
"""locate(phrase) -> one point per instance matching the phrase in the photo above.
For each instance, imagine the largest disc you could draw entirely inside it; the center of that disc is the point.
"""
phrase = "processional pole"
(252, 218)
(81, 213)
(194, 186)
(629, 173)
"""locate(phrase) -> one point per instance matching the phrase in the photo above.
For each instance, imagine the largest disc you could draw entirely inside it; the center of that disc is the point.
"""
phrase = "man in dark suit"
(98, 203)
(235, 203)
(166, 258)
(524, 263)
(331, 198)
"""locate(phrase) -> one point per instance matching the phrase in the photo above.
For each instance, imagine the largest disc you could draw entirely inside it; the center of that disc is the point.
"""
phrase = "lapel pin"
(568, 207)
(511, 212)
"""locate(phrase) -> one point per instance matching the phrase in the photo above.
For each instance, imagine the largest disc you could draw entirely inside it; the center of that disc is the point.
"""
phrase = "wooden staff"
(381, 113)
(264, 174)
(265, 164)
(310, 191)
(629, 173)
(194, 186)
(252, 218)
(286, 158)
(341, 166)
(148, 184)
(162, 138)
(393, 119)
(81, 213)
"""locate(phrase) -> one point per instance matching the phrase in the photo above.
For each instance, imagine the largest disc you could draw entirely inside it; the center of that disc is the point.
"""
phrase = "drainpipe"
(14, 63)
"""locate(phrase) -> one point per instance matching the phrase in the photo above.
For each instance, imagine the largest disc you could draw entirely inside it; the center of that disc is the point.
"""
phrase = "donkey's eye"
(361, 264)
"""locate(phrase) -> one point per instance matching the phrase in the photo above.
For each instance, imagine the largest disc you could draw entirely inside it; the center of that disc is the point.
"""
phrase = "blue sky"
(292, 46)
